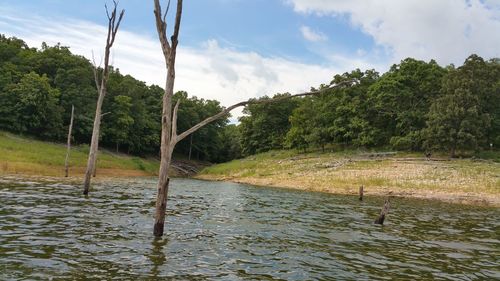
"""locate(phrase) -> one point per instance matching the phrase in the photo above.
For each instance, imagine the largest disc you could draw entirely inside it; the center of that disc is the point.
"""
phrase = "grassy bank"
(20, 155)
(467, 180)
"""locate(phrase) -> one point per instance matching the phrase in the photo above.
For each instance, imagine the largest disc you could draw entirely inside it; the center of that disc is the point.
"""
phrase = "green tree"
(338, 116)
(231, 147)
(265, 125)
(35, 110)
(400, 101)
(121, 120)
(455, 121)
(301, 119)
(492, 101)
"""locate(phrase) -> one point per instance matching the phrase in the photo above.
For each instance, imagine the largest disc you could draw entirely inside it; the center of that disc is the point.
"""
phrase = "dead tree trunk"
(383, 213)
(190, 146)
(66, 162)
(94, 172)
(167, 123)
(113, 25)
(361, 193)
(169, 137)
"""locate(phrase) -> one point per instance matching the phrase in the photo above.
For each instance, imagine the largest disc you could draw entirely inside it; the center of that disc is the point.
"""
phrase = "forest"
(39, 86)
(414, 106)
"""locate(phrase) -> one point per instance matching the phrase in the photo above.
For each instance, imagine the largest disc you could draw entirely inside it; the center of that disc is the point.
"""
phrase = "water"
(224, 231)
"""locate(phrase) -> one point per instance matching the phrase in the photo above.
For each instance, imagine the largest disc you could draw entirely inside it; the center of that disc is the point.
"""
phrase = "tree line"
(415, 106)
(39, 86)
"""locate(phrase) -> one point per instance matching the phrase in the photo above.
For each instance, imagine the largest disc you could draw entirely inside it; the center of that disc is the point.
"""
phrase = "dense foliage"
(415, 106)
(38, 87)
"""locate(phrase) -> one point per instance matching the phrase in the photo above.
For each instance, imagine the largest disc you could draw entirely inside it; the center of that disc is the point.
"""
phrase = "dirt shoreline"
(464, 181)
(467, 198)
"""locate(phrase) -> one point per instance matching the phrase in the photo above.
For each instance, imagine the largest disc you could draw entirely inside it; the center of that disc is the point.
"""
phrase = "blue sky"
(269, 27)
(232, 50)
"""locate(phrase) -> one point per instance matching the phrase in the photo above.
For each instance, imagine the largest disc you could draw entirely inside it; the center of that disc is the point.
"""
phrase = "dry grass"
(457, 180)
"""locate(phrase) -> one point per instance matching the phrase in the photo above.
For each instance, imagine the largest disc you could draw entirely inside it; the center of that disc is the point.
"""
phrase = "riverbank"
(22, 155)
(25, 156)
(469, 181)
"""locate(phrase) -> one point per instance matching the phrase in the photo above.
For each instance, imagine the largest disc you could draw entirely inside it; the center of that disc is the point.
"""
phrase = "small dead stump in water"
(361, 193)
(383, 213)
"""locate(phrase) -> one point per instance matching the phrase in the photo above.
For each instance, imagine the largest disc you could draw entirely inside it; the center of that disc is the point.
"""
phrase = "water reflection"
(223, 231)
(157, 256)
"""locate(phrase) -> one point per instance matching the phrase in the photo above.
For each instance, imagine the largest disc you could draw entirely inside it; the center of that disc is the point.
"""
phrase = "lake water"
(225, 231)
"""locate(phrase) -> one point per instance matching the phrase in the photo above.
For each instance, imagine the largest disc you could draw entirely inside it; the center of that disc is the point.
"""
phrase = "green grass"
(24, 155)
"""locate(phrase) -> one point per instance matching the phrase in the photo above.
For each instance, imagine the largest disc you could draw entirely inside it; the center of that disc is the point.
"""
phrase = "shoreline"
(464, 181)
(309, 181)
(466, 198)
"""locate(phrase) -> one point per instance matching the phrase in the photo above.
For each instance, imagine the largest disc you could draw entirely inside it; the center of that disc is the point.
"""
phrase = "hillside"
(21, 155)
(458, 180)
(27, 156)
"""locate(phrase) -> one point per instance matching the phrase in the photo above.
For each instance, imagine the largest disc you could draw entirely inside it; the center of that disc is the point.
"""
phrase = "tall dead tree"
(113, 25)
(70, 128)
(169, 136)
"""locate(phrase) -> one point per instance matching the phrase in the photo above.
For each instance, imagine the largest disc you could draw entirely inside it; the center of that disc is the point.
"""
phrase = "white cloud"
(311, 35)
(209, 71)
(446, 30)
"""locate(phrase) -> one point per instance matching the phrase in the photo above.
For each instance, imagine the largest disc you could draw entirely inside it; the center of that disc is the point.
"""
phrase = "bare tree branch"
(161, 27)
(95, 69)
(178, 15)
(113, 24)
(107, 11)
(244, 103)
(166, 12)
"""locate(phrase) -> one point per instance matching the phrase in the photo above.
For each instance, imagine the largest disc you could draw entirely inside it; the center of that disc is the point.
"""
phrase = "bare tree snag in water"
(94, 172)
(169, 137)
(167, 143)
(113, 25)
(361, 193)
(383, 213)
(66, 162)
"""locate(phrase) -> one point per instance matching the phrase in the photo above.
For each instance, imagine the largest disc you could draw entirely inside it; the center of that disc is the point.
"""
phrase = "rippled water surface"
(224, 231)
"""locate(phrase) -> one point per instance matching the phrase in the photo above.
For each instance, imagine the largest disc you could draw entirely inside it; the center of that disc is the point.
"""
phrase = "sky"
(232, 50)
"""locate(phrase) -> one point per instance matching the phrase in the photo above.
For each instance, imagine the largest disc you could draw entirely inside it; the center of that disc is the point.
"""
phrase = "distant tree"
(74, 79)
(265, 125)
(491, 103)
(348, 112)
(455, 120)
(400, 101)
(484, 82)
(338, 116)
(121, 120)
(231, 147)
(31, 107)
(301, 121)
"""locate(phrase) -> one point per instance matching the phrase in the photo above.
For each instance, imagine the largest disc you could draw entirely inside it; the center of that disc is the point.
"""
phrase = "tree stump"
(361, 193)
(383, 213)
